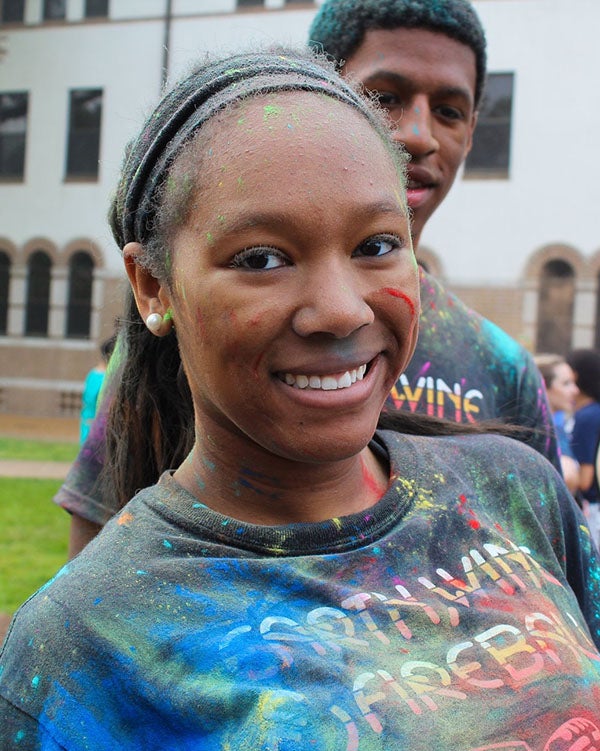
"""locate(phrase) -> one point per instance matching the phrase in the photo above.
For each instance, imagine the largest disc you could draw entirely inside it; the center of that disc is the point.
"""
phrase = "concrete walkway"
(42, 470)
(37, 428)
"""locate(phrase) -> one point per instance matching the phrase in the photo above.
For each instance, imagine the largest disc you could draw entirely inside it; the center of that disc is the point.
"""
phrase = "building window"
(96, 9)
(83, 149)
(13, 129)
(38, 294)
(490, 155)
(4, 286)
(555, 308)
(249, 3)
(79, 306)
(55, 10)
(12, 11)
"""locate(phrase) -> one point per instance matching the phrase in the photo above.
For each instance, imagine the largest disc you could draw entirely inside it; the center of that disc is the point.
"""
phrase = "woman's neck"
(266, 489)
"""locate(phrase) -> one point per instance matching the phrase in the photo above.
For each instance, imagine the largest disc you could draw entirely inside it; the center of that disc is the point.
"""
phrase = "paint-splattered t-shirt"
(451, 615)
(464, 368)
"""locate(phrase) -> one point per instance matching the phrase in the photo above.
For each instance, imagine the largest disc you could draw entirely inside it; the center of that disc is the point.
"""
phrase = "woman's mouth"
(329, 382)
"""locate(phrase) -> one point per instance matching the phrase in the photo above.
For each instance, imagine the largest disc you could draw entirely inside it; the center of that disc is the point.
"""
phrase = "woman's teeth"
(327, 382)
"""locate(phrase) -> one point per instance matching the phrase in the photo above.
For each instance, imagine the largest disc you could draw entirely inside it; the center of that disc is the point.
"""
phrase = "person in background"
(562, 391)
(313, 576)
(585, 435)
(426, 64)
(91, 389)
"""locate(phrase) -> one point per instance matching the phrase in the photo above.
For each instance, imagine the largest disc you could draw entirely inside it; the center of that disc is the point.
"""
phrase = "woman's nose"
(333, 304)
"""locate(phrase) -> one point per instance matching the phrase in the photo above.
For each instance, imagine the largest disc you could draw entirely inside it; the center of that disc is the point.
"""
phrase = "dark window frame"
(37, 299)
(13, 145)
(79, 297)
(492, 140)
(83, 137)
(5, 269)
(54, 10)
(96, 12)
(12, 12)
(556, 307)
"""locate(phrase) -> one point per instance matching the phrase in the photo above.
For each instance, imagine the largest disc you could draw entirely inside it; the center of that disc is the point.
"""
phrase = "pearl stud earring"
(154, 322)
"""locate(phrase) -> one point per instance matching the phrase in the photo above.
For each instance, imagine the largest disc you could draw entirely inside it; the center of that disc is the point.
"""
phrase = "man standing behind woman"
(586, 431)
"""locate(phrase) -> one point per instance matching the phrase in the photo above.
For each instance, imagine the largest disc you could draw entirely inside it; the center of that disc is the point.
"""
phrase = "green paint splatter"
(209, 238)
(270, 111)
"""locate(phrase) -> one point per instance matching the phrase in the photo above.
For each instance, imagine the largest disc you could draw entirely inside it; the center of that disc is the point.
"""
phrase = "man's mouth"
(417, 193)
(325, 382)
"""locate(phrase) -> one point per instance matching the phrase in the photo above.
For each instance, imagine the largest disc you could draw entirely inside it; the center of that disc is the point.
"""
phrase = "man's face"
(426, 82)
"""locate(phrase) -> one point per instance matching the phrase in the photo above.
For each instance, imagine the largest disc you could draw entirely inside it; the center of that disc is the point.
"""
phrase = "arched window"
(555, 308)
(38, 294)
(4, 285)
(79, 306)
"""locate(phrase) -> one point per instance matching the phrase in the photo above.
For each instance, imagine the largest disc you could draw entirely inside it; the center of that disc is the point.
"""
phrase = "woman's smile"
(330, 382)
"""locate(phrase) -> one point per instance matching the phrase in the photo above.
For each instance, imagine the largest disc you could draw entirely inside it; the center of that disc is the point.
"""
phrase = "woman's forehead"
(291, 118)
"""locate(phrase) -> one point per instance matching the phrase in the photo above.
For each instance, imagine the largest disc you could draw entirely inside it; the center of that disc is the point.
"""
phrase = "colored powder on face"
(270, 111)
(209, 238)
(398, 293)
(415, 130)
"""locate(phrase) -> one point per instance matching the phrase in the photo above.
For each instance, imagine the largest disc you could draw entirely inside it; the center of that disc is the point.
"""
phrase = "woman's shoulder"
(494, 452)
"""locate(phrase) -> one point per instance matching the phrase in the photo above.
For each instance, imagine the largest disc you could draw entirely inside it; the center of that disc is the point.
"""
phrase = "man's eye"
(386, 100)
(450, 113)
(380, 245)
(259, 259)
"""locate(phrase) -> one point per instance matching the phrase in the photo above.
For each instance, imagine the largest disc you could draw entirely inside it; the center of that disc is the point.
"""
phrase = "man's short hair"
(340, 26)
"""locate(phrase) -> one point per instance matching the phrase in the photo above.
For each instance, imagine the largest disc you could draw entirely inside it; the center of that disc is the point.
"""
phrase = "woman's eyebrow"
(272, 219)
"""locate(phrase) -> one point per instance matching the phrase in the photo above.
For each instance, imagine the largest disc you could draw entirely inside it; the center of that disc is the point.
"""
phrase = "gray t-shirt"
(451, 615)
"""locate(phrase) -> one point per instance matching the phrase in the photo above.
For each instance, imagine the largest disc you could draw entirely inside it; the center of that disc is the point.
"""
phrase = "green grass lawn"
(41, 451)
(34, 538)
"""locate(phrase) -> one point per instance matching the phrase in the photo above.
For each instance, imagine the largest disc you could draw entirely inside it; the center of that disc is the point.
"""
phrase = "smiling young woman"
(303, 579)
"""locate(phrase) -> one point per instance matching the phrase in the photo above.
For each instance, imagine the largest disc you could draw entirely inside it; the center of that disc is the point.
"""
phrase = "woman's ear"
(151, 296)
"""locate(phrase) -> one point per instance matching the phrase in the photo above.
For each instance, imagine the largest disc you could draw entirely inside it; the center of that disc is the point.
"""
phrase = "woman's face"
(294, 287)
(562, 390)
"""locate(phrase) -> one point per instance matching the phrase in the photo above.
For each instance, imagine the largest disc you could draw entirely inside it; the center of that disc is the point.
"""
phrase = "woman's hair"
(547, 364)
(586, 366)
(151, 421)
(339, 26)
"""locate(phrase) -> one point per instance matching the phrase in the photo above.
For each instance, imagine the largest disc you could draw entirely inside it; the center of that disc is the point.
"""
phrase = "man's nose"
(415, 129)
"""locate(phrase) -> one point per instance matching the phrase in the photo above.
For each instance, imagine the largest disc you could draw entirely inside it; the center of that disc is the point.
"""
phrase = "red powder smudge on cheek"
(398, 293)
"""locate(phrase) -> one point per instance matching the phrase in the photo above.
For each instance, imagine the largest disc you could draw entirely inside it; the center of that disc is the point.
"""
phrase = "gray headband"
(192, 103)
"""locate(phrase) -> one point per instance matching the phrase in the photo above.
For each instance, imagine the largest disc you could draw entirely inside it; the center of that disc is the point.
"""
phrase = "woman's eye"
(259, 259)
(380, 245)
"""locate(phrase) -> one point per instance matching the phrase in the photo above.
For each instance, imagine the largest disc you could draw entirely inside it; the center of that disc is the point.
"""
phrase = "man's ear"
(151, 295)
